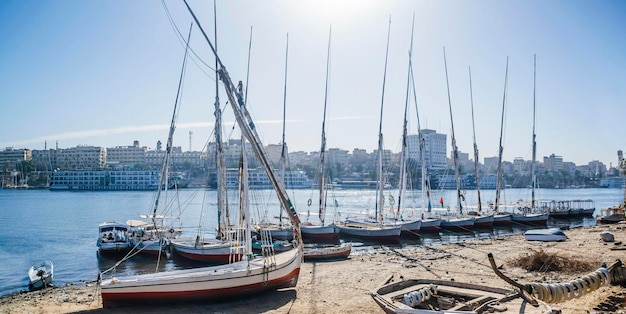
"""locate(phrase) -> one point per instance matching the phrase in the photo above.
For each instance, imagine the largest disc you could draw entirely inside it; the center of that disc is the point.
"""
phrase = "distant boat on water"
(109, 180)
(355, 184)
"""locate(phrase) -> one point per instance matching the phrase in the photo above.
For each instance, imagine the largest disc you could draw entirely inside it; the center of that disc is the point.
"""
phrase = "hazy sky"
(105, 73)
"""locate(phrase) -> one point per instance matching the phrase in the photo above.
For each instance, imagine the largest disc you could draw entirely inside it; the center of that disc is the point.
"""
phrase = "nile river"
(62, 227)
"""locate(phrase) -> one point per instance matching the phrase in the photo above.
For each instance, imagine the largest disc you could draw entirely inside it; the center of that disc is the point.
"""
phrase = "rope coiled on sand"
(560, 292)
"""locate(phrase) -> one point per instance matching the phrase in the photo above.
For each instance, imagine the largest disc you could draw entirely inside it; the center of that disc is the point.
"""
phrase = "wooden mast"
(322, 161)
(500, 149)
(455, 150)
(380, 195)
(480, 206)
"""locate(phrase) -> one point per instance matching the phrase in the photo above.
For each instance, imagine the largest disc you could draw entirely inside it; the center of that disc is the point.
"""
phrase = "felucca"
(249, 276)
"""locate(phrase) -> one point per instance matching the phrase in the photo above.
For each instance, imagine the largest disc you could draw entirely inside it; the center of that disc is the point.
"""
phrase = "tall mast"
(283, 151)
(163, 182)
(499, 183)
(455, 151)
(402, 179)
(425, 184)
(480, 206)
(380, 195)
(532, 165)
(235, 98)
(322, 161)
(222, 205)
(244, 198)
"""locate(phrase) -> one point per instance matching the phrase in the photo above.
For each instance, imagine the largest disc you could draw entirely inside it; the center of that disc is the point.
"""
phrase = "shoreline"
(345, 285)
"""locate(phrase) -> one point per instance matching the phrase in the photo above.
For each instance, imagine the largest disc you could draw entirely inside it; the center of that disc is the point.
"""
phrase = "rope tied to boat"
(560, 292)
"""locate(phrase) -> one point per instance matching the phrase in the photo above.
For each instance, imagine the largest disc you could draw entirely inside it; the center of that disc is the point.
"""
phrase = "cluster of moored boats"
(151, 236)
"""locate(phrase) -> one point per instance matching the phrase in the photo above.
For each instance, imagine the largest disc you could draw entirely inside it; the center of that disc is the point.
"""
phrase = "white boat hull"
(327, 252)
(205, 283)
(382, 233)
(545, 235)
(410, 228)
(40, 276)
(458, 224)
(210, 252)
(315, 233)
(485, 221)
(530, 219)
(430, 225)
(502, 220)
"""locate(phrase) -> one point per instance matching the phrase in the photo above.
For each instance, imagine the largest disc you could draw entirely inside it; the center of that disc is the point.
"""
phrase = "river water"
(62, 227)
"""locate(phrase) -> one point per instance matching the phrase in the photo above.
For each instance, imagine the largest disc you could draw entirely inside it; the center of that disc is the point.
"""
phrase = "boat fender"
(579, 288)
(407, 299)
(309, 202)
(433, 288)
(561, 292)
(587, 283)
(570, 291)
(606, 275)
(547, 294)
(416, 298)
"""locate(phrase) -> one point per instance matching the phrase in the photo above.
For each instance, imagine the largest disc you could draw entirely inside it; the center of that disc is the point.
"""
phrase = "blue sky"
(105, 73)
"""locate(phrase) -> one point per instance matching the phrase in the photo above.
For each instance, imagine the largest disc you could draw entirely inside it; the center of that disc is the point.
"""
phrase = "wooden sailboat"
(428, 222)
(321, 252)
(409, 227)
(375, 231)
(456, 221)
(482, 220)
(216, 251)
(249, 276)
(280, 230)
(529, 215)
(151, 235)
(322, 232)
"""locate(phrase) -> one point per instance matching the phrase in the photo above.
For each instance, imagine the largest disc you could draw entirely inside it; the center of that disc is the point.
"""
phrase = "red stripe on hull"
(410, 233)
(393, 238)
(323, 237)
(209, 258)
(339, 255)
(458, 228)
(484, 225)
(429, 229)
(120, 299)
(503, 223)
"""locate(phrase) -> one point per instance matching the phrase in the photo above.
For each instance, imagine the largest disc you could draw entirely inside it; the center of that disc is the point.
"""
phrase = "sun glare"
(333, 10)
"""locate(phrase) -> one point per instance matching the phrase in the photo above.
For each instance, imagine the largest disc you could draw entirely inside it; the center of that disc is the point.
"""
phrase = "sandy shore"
(344, 286)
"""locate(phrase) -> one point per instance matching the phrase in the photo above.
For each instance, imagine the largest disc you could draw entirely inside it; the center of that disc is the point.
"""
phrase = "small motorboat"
(40, 276)
(611, 215)
(545, 235)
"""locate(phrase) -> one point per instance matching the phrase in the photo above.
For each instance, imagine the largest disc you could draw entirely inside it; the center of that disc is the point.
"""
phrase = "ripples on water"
(63, 226)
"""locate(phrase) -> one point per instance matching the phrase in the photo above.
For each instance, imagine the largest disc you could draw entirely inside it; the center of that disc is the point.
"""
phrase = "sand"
(344, 286)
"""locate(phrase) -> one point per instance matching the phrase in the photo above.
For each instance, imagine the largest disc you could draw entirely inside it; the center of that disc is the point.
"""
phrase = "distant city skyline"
(350, 150)
(99, 72)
